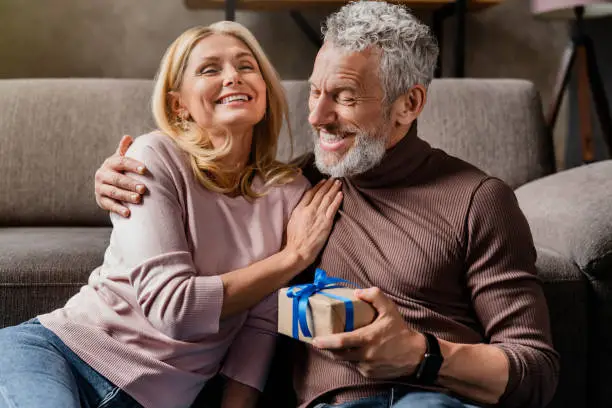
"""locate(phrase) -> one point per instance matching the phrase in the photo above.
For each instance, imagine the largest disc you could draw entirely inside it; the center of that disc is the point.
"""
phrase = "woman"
(187, 286)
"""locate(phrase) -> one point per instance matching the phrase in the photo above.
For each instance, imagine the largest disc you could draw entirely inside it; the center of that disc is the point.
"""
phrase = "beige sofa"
(55, 133)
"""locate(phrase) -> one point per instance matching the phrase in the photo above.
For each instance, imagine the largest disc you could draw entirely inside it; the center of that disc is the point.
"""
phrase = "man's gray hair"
(409, 50)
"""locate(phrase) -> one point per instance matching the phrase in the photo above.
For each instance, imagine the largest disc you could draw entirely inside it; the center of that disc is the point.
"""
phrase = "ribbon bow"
(301, 293)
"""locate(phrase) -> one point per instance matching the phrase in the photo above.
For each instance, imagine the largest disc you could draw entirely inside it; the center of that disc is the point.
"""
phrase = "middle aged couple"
(207, 226)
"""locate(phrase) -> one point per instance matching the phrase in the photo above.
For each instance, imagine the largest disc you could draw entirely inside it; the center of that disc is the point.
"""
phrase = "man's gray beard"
(367, 151)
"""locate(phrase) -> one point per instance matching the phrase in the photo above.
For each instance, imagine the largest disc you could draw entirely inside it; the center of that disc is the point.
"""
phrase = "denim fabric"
(38, 370)
(399, 397)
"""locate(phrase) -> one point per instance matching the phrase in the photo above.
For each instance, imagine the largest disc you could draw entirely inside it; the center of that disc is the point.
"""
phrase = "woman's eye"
(245, 67)
(208, 70)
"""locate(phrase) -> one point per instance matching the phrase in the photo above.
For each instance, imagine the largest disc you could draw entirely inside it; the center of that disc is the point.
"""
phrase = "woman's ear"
(408, 106)
(175, 103)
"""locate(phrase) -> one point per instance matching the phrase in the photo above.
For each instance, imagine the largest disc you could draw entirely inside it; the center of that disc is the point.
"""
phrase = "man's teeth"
(330, 138)
(233, 98)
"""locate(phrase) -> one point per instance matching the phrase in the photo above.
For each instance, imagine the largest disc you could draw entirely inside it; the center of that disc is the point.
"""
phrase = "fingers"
(333, 208)
(354, 339)
(330, 186)
(117, 194)
(307, 197)
(122, 163)
(329, 196)
(113, 206)
(124, 144)
(118, 180)
(376, 298)
(351, 354)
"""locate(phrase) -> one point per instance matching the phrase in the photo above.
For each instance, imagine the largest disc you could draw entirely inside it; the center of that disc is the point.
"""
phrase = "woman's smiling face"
(223, 87)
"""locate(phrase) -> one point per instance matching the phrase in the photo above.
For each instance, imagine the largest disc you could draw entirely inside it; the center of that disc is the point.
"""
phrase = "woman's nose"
(232, 77)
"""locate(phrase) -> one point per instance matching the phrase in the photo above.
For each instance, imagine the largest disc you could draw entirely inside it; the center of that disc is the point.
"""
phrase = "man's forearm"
(477, 371)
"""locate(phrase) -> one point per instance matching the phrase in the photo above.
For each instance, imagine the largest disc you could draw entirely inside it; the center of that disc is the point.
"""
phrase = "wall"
(117, 38)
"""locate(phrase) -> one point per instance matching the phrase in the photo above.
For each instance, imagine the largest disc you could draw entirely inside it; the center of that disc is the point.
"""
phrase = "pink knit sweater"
(149, 317)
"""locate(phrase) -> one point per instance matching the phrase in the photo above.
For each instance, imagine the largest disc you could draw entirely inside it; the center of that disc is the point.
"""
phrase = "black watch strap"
(427, 371)
(433, 346)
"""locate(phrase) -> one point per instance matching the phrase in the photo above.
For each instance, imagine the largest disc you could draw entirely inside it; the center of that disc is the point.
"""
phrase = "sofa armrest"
(570, 213)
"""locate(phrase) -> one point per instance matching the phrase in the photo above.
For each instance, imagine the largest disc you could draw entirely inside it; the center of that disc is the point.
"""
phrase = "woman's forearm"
(238, 395)
(245, 287)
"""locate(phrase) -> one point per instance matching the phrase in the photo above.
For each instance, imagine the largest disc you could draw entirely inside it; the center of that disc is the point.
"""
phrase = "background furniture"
(580, 54)
(55, 133)
(441, 9)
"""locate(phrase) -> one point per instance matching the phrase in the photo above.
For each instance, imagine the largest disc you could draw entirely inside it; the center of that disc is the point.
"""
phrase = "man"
(444, 250)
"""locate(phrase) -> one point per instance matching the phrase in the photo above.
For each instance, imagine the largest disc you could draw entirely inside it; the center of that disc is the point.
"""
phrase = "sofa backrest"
(54, 134)
(495, 124)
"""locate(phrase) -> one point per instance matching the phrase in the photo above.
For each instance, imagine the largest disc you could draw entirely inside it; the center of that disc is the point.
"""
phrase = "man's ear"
(408, 106)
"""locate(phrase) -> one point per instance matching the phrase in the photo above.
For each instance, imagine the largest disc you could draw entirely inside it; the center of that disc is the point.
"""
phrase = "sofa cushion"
(495, 124)
(40, 268)
(570, 213)
(567, 295)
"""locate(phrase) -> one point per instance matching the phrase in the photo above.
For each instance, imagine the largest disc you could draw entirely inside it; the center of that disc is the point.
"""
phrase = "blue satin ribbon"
(301, 293)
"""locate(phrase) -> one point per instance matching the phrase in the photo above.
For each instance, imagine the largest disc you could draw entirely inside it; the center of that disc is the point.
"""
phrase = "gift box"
(323, 307)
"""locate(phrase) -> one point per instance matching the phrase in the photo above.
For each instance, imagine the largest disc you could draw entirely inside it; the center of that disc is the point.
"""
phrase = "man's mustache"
(335, 129)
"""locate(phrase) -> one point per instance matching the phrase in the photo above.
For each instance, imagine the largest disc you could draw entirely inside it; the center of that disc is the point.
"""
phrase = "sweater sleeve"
(153, 244)
(248, 358)
(507, 294)
(251, 352)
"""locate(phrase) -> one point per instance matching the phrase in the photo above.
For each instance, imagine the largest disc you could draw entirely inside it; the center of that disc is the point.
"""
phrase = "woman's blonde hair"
(196, 142)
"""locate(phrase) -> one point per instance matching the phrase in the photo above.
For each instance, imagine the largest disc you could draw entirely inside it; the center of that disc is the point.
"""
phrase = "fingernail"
(338, 182)
(140, 188)
(135, 197)
(141, 169)
(125, 213)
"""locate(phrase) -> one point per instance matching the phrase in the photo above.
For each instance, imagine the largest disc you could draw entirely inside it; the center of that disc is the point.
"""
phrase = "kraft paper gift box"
(324, 309)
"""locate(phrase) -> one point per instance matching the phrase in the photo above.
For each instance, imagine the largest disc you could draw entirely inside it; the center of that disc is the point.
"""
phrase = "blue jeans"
(38, 370)
(399, 397)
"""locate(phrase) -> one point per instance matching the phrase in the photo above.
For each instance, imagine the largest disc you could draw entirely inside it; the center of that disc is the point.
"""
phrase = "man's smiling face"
(351, 125)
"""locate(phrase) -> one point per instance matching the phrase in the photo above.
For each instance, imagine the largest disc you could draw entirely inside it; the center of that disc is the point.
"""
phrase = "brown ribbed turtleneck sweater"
(450, 246)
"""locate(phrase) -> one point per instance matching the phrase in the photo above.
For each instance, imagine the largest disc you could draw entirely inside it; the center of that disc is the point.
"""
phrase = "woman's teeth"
(233, 98)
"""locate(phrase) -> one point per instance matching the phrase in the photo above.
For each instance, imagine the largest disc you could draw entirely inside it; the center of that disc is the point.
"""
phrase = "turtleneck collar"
(397, 164)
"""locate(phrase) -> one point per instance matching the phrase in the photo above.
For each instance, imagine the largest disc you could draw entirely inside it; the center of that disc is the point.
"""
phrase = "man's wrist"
(449, 351)
(414, 348)
(431, 363)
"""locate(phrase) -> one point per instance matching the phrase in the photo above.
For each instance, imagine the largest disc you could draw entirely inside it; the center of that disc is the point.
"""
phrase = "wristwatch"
(427, 371)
